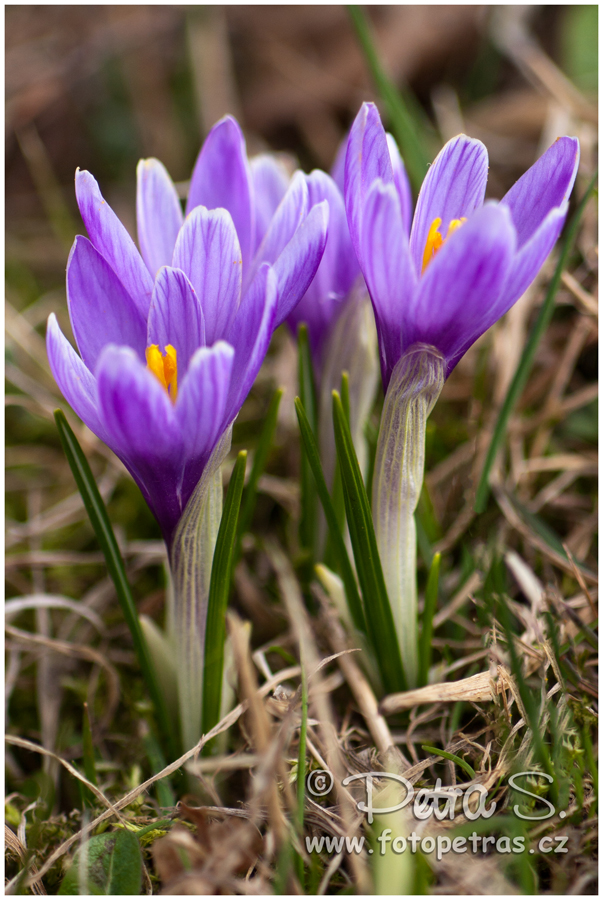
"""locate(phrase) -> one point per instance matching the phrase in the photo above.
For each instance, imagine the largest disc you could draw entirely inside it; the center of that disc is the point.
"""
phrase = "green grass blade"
(219, 588)
(259, 464)
(345, 394)
(404, 126)
(307, 525)
(455, 759)
(525, 366)
(99, 518)
(337, 542)
(379, 618)
(330, 554)
(431, 599)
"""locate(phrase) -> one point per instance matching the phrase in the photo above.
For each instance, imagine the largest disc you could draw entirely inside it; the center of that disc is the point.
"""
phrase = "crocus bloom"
(171, 338)
(336, 273)
(341, 330)
(436, 285)
(465, 262)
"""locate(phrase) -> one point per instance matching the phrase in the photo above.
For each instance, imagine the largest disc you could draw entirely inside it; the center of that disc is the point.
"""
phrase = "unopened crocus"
(436, 286)
(171, 339)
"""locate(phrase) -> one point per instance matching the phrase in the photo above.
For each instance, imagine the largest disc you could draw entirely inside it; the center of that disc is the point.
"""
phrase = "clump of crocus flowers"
(172, 334)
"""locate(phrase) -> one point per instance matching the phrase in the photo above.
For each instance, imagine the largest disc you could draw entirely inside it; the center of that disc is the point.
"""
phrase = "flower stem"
(191, 556)
(415, 385)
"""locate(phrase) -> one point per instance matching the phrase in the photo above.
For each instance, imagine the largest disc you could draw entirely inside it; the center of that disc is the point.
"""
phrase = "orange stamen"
(164, 368)
(435, 240)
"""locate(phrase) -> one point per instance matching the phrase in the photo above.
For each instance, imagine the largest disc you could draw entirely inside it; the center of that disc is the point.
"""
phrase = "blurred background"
(100, 87)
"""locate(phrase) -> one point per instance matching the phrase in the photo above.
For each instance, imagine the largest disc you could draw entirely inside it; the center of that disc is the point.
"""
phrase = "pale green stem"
(191, 557)
(415, 385)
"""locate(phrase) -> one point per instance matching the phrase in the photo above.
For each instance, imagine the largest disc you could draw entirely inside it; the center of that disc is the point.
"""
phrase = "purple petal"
(76, 382)
(457, 296)
(291, 212)
(388, 271)
(270, 182)
(528, 262)
(402, 183)
(367, 158)
(201, 405)
(250, 335)
(525, 265)
(222, 180)
(338, 268)
(208, 252)
(454, 187)
(545, 186)
(113, 241)
(176, 317)
(141, 428)
(138, 414)
(158, 213)
(100, 308)
(297, 264)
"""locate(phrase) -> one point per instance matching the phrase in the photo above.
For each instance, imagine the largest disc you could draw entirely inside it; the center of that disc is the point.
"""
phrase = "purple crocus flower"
(337, 272)
(465, 262)
(341, 331)
(436, 285)
(171, 338)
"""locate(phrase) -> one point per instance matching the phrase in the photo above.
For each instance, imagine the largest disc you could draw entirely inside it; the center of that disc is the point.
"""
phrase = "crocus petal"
(546, 185)
(523, 269)
(291, 212)
(367, 158)
(531, 256)
(289, 215)
(296, 266)
(100, 308)
(141, 428)
(388, 271)
(250, 335)
(175, 316)
(453, 188)
(270, 182)
(76, 382)
(222, 179)
(402, 183)
(458, 293)
(113, 241)
(201, 405)
(208, 251)
(158, 214)
(338, 268)
(137, 411)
